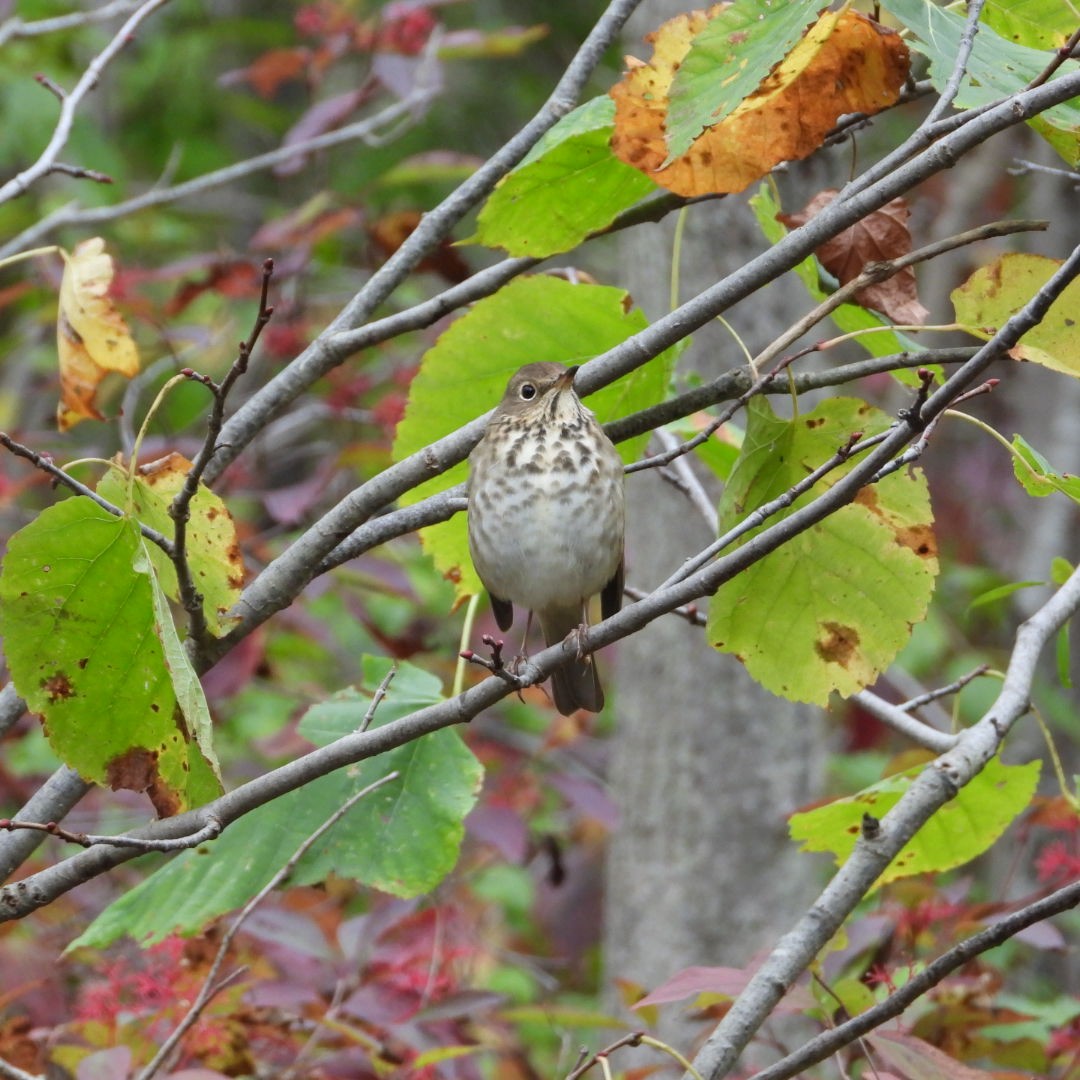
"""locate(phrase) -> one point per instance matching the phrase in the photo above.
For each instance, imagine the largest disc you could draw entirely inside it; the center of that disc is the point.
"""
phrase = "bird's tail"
(575, 685)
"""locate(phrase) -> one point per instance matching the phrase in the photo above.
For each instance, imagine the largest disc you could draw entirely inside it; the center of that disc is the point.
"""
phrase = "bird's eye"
(527, 391)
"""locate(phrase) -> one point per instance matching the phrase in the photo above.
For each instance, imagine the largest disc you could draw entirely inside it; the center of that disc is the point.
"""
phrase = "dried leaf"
(845, 63)
(91, 335)
(390, 231)
(878, 237)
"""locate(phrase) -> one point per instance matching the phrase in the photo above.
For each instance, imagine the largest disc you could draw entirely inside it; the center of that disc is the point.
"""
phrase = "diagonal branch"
(316, 361)
(830, 1042)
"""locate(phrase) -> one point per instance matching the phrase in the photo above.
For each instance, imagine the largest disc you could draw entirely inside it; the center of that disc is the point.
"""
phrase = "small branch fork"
(70, 102)
(180, 508)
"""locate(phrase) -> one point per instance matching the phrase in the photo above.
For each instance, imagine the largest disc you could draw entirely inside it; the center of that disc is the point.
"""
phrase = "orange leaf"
(845, 63)
(91, 335)
(879, 237)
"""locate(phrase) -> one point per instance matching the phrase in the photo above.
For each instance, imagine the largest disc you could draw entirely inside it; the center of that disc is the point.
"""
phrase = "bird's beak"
(566, 380)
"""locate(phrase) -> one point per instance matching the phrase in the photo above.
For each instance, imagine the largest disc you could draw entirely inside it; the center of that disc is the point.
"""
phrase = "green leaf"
(84, 644)
(997, 69)
(1060, 570)
(402, 839)
(962, 829)
(1000, 593)
(1036, 474)
(727, 61)
(212, 549)
(465, 372)
(830, 609)
(994, 293)
(570, 186)
(849, 318)
(186, 685)
(1039, 24)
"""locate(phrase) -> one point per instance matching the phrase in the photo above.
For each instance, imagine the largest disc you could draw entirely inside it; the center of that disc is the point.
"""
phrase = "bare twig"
(180, 507)
(80, 173)
(844, 1034)
(210, 831)
(18, 28)
(71, 102)
(46, 465)
(900, 720)
(211, 985)
(959, 70)
(376, 698)
(1066, 52)
(362, 130)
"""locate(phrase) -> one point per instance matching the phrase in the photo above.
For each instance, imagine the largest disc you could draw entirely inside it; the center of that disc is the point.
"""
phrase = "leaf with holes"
(213, 551)
(829, 610)
(84, 642)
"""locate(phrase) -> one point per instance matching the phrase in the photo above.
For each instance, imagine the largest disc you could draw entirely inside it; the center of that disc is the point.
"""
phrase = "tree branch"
(18, 184)
(829, 1042)
(291, 571)
(315, 361)
(362, 130)
(936, 785)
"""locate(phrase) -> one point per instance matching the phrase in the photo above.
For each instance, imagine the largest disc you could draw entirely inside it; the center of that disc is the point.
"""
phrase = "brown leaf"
(390, 231)
(269, 71)
(91, 335)
(845, 63)
(878, 237)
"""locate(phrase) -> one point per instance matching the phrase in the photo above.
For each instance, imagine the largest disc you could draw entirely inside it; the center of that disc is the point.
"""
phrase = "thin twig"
(46, 465)
(902, 722)
(844, 1034)
(1060, 56)
(71, 102)
(376, 698)
(210, 831)
(944, 691)
(180, 507)
(959, 69)
(18, 28)
(210, 985)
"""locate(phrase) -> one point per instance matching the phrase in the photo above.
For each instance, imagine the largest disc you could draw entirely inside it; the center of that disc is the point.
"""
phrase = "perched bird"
(546, 517)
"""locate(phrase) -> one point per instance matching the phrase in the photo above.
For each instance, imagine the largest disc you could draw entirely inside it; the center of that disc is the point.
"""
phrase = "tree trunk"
(707, 765)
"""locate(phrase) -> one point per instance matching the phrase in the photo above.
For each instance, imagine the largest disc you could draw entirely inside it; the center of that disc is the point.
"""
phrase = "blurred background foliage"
(502, 961)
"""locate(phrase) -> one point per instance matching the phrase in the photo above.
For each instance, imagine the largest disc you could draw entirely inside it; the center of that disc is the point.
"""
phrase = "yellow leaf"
(845, 63)
(91, 335)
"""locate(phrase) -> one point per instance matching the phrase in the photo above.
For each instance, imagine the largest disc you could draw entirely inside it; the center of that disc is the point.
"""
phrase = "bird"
(546, 518)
